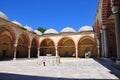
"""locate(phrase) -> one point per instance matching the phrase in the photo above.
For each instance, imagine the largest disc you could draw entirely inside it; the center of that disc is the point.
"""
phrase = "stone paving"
(68, 69)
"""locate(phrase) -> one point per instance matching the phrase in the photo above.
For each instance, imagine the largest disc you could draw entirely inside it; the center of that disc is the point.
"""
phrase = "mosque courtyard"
(68, 69)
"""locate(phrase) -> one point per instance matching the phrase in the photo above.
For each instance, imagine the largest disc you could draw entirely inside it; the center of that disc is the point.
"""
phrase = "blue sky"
(56, 14)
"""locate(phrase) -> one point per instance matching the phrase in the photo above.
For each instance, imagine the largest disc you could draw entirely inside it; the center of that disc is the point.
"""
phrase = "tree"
(41, 29)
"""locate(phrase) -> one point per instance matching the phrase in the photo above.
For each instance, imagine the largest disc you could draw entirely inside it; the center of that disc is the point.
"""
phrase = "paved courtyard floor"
(68, 69)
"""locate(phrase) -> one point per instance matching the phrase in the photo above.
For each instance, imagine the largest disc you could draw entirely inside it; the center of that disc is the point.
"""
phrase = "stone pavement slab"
(68, 69)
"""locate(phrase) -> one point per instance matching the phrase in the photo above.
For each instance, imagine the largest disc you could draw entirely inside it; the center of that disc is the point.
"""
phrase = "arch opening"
(85, 45)
(6, 46)
(66, 47)
(33, 48)
(47, 47)
(22, 48)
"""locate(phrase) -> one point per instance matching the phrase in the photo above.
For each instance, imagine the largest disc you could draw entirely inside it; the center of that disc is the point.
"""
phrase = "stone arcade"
(17, 41)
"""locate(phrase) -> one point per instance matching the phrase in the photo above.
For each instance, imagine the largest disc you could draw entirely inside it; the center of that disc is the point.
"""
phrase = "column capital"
(104, 27)
(101, 31)
(115, 9)
(56, 47)
(95, 34)
(15, 44)
(29, 46)
(96, 37)
(98, 42)
(76, 47)
(115, 6)
(98, 46)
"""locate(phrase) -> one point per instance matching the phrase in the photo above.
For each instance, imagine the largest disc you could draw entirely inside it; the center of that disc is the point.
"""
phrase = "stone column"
(116, 12)
(15, 47)
(38, 52)
(56, 51)
(76, 50)
(102, 44)
(98, 50)
(105, 38)
(98, 46)
(29, 51)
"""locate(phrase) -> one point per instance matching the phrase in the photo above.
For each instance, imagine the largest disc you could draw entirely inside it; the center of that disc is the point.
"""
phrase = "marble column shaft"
(38, 52)
(102, 39)
(116, 12)
(76, 51)
(15, 50)
(105, 38)
(98, 46)
(56, 51)
(29, 51)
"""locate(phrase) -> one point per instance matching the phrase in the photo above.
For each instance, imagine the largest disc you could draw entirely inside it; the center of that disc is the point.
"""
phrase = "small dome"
(68, 29)
(16, 22)
(28, 28)
(49, 31)
(2, 15)
(85, 28)
(38, 32)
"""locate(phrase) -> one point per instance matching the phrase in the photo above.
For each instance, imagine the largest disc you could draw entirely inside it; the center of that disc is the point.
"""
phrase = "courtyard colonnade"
(107, 28)
(66, 45)
(17, 41)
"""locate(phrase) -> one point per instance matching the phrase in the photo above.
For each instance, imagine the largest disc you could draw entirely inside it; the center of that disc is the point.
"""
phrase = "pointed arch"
(47, 46)
(7, 39)
(34, 47)
(66, 47)
(85, 44)
(86, 37)
(26, 38)
(10, 30)
(6, 46)
(23, 43)
(37, 40)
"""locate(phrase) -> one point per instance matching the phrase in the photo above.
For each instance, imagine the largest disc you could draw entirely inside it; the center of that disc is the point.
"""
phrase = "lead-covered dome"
(38, 32)
(51, 31)
(2, 15)
(85, 28)
(16, 22)
(68, 29)
(28, 28)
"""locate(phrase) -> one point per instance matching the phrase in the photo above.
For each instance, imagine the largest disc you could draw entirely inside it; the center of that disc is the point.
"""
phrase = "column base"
(98, 57)
(117, 64)
(118, 61)
(77, 57)
(14, 59)
(106, 59)
(38, 57)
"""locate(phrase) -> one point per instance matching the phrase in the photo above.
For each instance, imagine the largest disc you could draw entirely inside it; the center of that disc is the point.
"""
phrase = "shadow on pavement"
(6, 59)
(108, 64)
(10, 76)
